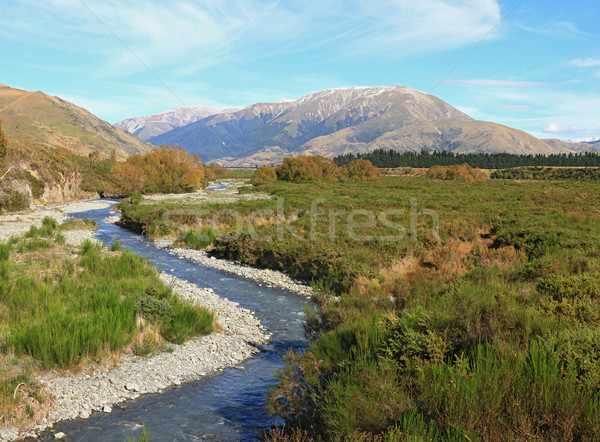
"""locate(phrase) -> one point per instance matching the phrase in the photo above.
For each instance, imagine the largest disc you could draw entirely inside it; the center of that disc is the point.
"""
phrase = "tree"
(307, 168)
(263, 175)
(127, 178)
(360, 170)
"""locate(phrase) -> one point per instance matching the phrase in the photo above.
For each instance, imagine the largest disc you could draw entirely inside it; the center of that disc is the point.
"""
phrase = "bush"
(4, 251)
(360, 170)
(307, 168)
(165, 169)
(11, 200)
(264, 175)
(463, 173)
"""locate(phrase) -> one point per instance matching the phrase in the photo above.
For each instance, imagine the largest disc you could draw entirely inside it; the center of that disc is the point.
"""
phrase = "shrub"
(4, 251)
(360, 170)
(307, 168)
(264, 175)
(463, 173)
(165, 169)
(11, 200)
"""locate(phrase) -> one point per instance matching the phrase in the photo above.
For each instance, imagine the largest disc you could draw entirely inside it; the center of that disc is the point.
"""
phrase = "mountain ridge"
(52, 121)
(149, 126)
(291, 123)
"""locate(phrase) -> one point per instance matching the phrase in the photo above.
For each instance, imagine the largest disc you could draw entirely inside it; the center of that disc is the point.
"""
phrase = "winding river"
(227, 406)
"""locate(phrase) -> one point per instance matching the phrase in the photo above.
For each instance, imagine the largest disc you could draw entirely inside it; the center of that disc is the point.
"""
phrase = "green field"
(488, 332)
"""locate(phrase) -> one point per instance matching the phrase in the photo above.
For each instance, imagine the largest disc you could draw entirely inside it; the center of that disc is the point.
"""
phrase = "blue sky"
(536, 67)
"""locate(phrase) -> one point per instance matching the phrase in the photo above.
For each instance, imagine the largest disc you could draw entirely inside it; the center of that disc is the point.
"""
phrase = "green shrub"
(200, 240)
(115, 246)
(153, 309)
(5, 249)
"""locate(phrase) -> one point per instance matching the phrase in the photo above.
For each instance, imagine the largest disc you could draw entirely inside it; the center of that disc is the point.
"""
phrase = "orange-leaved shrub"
(360, 170)
(463, 172)
(263, 175)
(165, 169)
(317, 168)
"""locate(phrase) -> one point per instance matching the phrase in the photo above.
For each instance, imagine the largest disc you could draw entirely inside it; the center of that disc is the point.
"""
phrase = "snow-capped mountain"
(289, 124)
(152, 125)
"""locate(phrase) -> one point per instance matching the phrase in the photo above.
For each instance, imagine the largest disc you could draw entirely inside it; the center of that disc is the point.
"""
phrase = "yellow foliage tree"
(165, 169)
(360, 170)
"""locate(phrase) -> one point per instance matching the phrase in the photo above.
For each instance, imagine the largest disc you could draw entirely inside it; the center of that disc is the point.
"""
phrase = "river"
(227, 406)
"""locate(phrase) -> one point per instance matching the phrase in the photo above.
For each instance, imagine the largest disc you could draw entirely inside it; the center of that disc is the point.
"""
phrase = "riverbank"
(267, 277)
(240, 335)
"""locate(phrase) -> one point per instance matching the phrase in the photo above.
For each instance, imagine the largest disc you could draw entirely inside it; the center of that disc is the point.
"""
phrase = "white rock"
(60, 436)
(132, 386)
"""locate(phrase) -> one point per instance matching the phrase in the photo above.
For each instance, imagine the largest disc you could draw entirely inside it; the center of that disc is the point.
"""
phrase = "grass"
(61, 311)
(487, 332)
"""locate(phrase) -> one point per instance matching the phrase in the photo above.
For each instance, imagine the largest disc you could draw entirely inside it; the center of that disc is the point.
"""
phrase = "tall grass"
(93, 311)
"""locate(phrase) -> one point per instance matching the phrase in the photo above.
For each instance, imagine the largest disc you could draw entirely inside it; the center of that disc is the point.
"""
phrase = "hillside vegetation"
(484, 329)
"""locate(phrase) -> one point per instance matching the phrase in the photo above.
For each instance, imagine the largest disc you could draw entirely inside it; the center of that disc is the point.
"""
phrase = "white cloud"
(585, 62)
(180, 34)
(561, 130)
(499, 83)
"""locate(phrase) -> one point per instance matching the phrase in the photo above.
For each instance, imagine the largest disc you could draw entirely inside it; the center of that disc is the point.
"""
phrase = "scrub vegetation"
(487, 330)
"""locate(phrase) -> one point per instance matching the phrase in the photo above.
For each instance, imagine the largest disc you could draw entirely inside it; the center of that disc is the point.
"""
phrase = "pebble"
(270, 278)
(243, 336)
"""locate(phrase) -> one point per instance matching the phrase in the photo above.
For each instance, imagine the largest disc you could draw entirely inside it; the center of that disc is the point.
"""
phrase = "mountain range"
(36, 117)
(349, 120)
(153, 125)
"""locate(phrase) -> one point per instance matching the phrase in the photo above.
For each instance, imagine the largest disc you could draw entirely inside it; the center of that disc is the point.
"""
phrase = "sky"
(529, 64)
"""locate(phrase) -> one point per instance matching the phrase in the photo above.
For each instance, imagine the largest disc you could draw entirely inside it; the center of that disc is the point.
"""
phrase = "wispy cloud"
(214, 32)
(500, 83)
(585, 62)
(557, 30)
(515, 106)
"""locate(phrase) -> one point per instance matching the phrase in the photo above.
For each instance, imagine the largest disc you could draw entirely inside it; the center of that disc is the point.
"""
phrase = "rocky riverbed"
(240, 336)
(269, 278)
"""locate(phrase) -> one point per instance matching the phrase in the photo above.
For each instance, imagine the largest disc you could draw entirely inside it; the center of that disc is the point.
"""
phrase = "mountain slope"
(459, 136)
(288, 125)
(153, 125)
(40, 118)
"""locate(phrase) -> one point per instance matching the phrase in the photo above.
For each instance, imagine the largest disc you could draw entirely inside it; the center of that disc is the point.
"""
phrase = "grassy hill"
(35, 117)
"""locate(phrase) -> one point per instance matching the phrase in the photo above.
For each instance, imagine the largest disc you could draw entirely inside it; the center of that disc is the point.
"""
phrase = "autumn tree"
(264, 175)
(127, 178)
(307, 168)
(165, 169)
(360, 170)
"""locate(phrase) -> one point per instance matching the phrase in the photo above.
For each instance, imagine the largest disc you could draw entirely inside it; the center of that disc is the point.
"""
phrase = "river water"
(227, 406)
